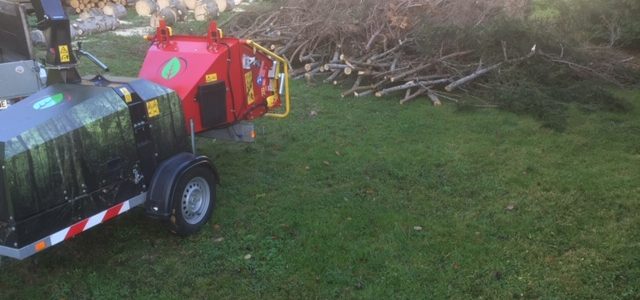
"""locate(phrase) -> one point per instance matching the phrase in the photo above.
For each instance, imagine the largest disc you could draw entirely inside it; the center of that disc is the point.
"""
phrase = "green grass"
(326, 205)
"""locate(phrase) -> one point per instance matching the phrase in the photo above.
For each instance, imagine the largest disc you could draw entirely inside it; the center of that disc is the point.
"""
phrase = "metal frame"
(57, 237)
(20, 79)
(242, 131)
(22, 73)
(21, 10)
(279, 59)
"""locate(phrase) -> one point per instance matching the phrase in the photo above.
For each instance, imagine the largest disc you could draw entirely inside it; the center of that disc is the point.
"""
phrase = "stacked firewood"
(95, 21)
(173, 11)
(96, 15)
(377, 47)
(109, 6)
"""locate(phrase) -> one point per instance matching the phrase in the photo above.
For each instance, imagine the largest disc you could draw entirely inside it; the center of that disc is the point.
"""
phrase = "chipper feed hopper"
(80, 152)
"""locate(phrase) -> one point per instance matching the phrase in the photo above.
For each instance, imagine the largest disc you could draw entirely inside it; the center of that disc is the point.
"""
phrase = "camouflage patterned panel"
(71, 151)
(168, 127)
(60, 145)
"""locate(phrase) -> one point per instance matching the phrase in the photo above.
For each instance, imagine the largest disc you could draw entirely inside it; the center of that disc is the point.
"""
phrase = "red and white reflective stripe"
(90, 222)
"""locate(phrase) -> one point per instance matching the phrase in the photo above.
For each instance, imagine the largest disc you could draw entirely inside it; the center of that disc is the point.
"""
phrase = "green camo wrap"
(70, 151)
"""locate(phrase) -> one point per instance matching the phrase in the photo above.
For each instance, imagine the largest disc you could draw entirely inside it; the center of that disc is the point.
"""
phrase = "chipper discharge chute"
(80, 152)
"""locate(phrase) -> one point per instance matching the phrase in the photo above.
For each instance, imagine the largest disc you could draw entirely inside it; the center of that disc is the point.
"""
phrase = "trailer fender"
(159, 199)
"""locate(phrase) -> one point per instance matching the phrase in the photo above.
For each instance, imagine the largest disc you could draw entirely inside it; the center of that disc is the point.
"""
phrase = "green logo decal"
(172, 68)
(49, 102)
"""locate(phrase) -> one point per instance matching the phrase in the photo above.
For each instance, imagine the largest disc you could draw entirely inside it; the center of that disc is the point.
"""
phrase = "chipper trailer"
(78, 152)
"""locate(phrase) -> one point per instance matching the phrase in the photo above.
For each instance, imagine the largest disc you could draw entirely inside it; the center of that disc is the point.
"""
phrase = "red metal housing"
(220, 80)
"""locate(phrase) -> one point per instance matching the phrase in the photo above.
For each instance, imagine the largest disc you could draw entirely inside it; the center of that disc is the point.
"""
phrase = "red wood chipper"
(80, 152)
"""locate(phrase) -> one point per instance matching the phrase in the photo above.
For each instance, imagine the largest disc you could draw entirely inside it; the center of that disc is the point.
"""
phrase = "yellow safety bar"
(287, 105)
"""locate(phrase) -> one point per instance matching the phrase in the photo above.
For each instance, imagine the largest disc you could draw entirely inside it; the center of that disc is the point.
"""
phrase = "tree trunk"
(206, 10)
(112, 9)
(94, 25)
(222, 5)
(191, 4)
(146, 8)
(170, 15)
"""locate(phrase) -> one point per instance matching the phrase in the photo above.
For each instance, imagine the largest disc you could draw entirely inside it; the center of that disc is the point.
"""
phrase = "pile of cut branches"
(419, 48)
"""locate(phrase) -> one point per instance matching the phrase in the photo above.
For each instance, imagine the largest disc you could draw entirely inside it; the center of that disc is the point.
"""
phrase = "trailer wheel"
(193, 201)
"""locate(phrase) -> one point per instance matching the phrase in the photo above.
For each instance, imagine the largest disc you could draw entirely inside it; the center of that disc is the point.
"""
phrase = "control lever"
(92, 58)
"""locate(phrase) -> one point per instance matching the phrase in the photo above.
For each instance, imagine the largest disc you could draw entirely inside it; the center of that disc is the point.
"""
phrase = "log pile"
(96, 15)
(96, 23)
(374, 47)
(379, 48)
(177, 10)
(80, 6)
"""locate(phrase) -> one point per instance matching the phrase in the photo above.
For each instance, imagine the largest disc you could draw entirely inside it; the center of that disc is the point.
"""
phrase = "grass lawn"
(369, 199)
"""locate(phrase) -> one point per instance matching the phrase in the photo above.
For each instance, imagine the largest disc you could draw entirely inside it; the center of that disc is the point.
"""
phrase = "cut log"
(114, 9)
(335, 66)
(412, 96)
(178, 5)
(146, 8)
(354, 88)
(191, 4)
(332, 77)
(412, 84)
(473, 76)
(231, 4)
(428, 65)
(94, 25)
(90, 13)
(480, 72)
(311, 66)
(169, 15)
(222, 5)
(434, 98)
(206, 10)
(164, 3)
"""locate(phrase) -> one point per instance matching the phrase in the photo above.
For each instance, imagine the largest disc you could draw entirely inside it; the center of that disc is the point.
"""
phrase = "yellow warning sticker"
(211, 77)
(64, 53)
(127, 95)
(153, 110)
(248, 80)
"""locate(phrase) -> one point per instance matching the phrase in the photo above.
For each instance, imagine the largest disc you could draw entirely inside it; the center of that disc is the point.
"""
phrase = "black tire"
(187, 216)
